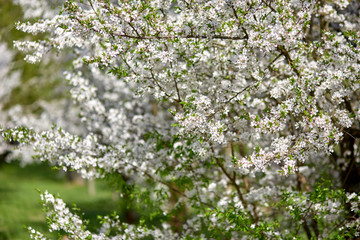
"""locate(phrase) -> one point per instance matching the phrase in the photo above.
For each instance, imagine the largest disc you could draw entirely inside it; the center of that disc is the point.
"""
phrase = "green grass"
(20, 202)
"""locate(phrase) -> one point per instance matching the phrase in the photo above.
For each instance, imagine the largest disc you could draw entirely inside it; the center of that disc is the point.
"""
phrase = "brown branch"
(181, 37)
(133, 28)
(166, 184)
(288, 59)
(352, 162)
(302, 180)
(237, 18)
(269, 6)
(233, 182)
(175, 82)
(351, 142)
(254, 217)
(307, 230)
(314, 225)
(158, 84)
(238, 93)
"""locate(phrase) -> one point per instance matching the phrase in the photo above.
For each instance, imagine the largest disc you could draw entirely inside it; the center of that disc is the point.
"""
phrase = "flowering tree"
(228, 119)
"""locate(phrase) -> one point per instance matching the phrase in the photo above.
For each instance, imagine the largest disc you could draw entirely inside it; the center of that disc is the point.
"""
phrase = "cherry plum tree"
(228, 119)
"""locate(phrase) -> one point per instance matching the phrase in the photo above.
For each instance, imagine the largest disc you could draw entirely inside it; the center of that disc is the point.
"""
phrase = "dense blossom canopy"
(234, 119)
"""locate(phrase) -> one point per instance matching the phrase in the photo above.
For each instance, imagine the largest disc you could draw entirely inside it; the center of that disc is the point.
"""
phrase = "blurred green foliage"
(20, 202)
(9, 14)
(40, 81)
